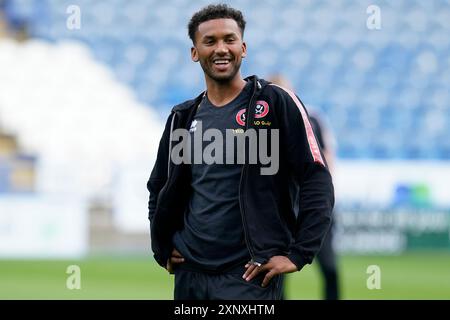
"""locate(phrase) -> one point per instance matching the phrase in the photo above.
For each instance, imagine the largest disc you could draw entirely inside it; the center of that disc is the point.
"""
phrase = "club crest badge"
(262, 109)
(240, 117)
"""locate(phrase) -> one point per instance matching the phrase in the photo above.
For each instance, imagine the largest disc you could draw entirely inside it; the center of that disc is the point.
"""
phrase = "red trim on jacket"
(313, 145)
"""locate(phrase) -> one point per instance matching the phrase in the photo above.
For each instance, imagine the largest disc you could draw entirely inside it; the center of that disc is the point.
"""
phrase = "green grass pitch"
(410, 276)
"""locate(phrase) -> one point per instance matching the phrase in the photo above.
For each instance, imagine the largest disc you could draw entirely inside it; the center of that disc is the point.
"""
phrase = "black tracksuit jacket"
(277, 219)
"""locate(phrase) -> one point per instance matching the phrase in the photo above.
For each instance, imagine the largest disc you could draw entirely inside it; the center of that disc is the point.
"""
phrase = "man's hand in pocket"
(176, 258)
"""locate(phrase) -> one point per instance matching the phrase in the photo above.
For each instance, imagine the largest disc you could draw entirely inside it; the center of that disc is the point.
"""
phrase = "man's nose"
(221, 47)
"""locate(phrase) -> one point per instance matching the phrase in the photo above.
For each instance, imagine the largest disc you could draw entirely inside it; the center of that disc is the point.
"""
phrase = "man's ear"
(194, 54)
(244, 50)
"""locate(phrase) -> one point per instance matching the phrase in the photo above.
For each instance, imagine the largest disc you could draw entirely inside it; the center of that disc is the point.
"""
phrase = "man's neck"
(219, 94)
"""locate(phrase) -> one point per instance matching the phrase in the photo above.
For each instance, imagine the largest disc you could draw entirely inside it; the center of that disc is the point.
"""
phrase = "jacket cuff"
(162, 258)
(297, 259)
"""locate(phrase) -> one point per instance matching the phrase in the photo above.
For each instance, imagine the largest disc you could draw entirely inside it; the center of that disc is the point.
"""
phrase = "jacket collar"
(258, 84)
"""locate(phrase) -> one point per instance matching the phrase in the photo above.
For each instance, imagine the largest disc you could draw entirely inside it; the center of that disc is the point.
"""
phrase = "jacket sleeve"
(316, 192)
(158, 176)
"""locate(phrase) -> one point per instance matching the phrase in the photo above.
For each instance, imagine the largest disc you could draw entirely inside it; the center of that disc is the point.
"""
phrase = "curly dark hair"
(215, 11)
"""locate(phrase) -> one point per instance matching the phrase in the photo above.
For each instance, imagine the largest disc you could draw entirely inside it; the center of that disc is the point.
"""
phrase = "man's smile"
(221, 63)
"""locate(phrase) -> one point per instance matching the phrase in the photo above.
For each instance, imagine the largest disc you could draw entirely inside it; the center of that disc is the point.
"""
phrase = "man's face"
(219, 48)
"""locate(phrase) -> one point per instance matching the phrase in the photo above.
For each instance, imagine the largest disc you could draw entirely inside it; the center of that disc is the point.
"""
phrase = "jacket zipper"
(244, 222)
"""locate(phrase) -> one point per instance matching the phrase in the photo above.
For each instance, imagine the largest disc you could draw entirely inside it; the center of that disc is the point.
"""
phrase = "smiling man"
(224, 228)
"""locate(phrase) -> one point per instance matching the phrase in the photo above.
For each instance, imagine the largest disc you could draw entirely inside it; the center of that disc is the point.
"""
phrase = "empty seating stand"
(380, 88)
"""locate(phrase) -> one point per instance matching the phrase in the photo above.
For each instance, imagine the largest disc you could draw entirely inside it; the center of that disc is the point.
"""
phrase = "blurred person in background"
(326, 257)
(3, 25)
(12, 27)
(227, 231)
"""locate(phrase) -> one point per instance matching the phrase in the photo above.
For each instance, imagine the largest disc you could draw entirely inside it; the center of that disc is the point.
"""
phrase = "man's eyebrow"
(228, 35)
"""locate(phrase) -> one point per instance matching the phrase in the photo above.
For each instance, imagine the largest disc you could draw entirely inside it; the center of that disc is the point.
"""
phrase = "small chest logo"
(262, 109)
(193, 126)
(240, 117)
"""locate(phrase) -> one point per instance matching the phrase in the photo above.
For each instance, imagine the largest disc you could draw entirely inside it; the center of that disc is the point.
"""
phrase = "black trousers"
(194, 285)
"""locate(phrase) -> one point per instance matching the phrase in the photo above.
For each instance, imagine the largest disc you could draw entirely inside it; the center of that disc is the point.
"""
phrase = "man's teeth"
(221, 61)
